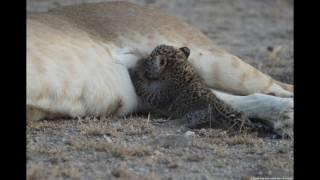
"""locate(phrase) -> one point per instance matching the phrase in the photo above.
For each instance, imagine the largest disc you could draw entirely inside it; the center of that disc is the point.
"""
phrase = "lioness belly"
(74, 76)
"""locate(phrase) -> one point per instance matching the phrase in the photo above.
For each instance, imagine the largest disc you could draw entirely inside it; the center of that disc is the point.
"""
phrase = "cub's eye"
(161, 62)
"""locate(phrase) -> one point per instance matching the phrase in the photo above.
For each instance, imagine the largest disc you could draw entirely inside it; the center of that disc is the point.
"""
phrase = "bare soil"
(149, 147)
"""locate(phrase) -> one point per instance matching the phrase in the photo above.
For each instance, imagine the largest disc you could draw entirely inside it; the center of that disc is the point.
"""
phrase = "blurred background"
(258, 31)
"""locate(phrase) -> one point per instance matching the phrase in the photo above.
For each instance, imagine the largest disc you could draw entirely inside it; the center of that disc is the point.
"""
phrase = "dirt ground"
(141, 147)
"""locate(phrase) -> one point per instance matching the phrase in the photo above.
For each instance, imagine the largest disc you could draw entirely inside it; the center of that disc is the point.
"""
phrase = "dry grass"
(159, 158)
(46, 150)
(279, 162)
(201, 145)
(150, 176)
(116, 150)
(169, 161)
(212, 133)
(221, 151)
(246, 178)
(245, 139)
(122, 172)
(98, 129)
(137, 126)
(54, 154)
(40, 171)
(130, 126)
(42, 125)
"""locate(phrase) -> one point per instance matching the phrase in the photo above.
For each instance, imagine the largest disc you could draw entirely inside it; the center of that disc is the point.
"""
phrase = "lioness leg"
(276, 112)
(228, 73)
(36, 114)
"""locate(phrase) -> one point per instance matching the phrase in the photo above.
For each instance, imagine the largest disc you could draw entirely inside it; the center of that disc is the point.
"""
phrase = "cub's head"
(164, 56)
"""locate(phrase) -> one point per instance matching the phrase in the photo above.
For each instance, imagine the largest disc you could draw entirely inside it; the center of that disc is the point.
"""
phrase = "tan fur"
(285, 86)
(78, 56)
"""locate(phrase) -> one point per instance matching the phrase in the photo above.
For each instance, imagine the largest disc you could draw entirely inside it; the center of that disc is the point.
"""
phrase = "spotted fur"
(168, 83)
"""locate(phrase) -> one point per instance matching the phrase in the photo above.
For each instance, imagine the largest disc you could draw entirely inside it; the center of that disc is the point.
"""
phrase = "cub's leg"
(208, 111)
(206, 118)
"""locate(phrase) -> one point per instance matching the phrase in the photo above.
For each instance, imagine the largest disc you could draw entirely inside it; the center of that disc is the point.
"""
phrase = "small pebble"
(107, 138)
(156, 152)
(189, 133)
(203, 132)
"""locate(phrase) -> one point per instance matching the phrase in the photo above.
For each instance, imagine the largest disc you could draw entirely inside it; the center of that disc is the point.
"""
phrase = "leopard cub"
(168, 83)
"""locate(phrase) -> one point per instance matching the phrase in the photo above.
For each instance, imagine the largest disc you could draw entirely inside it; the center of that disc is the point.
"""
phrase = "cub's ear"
(186, 51)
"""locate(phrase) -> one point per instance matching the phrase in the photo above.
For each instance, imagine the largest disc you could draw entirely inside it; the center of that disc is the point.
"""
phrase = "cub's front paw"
(134, 75)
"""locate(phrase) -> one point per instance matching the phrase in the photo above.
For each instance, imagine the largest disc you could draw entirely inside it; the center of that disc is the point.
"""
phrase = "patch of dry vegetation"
(169, 161)
(122, 172)
(98, 129)
(201, 144)
(246, 139)
(158, 158)
(127, 126)
(220, 137)
(137, 126)
(38, 171)
(46, 150)
(279, 161)
(42, 125)
(116, 150)
(54, 154)
(212, 133)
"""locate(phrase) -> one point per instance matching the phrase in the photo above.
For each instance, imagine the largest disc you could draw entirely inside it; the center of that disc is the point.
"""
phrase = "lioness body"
(78, 59)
